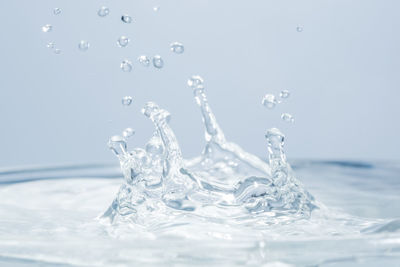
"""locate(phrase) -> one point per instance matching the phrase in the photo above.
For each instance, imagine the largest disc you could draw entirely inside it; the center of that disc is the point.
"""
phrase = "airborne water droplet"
(83, 45)
(51, 45)
(177, 48)
(47, 28)
(127, 100)
(269, 101)
(285, 94)
(123, 41)
(156, 8)
(57, 51)
(126, 65)
(287, 117)
(126, 18)
(103, 11)
(195, 81)
(144, 60)
(128, 132)
(158, 62)
(299, 29)
(57, 11)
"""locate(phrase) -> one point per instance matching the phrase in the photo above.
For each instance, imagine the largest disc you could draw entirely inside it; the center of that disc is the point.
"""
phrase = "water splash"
(225, 182)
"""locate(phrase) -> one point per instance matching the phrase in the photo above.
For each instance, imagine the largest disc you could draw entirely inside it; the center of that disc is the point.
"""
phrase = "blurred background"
(342, 70)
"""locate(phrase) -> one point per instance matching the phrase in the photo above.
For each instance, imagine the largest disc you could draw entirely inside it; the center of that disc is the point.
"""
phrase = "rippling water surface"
(50, 217)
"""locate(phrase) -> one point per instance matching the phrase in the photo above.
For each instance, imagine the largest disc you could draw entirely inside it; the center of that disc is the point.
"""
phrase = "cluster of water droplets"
(270, 101)
(123, 41)
(224, 182)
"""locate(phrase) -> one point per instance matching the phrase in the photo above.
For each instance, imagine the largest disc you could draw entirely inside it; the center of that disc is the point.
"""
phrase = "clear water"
(48, 218)
(225, 207)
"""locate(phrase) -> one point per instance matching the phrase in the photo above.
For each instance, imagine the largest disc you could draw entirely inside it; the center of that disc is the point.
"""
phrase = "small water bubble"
(128, 132)
(177, 48)
(126, 19)
(126, 65)
(269, 101)
(195, 81)
(299, 29)
(103, 11)
(144, 60)
(117, 144)
(156, 8)
(47, 28)
(287, 117)
(83, 45)
(57, 11)
(285, 94)
(50, 45)
(127, 100)
(57, 51)
(123, 41)
(158, 62)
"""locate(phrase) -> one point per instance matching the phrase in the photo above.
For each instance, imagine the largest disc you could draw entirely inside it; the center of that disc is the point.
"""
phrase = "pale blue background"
(342, 70)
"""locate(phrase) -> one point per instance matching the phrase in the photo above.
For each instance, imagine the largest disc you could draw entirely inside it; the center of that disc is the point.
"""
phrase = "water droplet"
(117, 144)
(57, 51)
(83, 45)
(269, 101)
(51, 45)
(127, 100)
(128, 132)
(47, 28)
(299, 29)
(195, 81)
(144, 60)
(285, 94)
(150, 108)
(287, 117)
(177, 48)
(57, 11)
(123, 41)
(158, 62)
(126, 65)
(126, 19)
(103, 11)
(156, 8)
